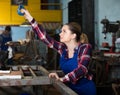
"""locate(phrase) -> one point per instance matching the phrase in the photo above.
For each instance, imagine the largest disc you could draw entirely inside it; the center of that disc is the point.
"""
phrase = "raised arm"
(41, 33)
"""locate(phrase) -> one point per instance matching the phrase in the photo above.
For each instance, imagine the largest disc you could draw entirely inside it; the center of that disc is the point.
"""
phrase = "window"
(50, 5)
(17, 2)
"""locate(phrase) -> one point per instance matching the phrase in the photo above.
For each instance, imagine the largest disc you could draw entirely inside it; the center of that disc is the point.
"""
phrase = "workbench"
(35, 75)
(109, 54)
(107, 67)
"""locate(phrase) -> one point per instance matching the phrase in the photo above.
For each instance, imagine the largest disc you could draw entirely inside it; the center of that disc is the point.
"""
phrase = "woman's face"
(66, 35)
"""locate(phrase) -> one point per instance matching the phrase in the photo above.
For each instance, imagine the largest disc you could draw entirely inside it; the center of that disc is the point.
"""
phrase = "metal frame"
(35, 79)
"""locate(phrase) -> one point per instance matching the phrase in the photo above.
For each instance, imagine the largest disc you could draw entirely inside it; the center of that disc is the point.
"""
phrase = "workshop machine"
(110, 27)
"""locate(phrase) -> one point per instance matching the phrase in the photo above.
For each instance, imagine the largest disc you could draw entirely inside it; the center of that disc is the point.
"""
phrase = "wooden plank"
(44, 71)
(43, 80)
(62, 88)
(21, 72)
(34, 75)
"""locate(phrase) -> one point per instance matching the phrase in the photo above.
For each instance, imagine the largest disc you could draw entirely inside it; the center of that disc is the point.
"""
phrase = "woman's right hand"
(27, 15)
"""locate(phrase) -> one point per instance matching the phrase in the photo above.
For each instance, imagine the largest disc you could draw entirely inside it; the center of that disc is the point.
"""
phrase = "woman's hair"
(84, 38)
(75, 28)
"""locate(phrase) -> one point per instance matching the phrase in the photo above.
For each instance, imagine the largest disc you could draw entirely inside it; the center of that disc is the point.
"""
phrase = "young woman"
(74, 56)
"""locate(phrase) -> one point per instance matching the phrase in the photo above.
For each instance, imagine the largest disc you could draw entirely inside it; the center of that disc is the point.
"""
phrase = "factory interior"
(27, 62)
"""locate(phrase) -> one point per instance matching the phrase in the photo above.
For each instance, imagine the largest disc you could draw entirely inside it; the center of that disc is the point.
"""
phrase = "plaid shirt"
(84, 52)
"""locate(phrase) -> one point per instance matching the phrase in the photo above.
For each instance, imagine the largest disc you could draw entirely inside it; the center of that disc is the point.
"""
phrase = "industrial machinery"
(110, 27)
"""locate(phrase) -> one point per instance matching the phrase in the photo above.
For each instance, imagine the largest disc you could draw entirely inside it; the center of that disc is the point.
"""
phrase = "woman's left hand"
(55, 75)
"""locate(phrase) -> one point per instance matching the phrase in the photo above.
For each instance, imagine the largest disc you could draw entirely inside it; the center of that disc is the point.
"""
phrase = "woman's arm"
(41, 33)
(83, 61)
